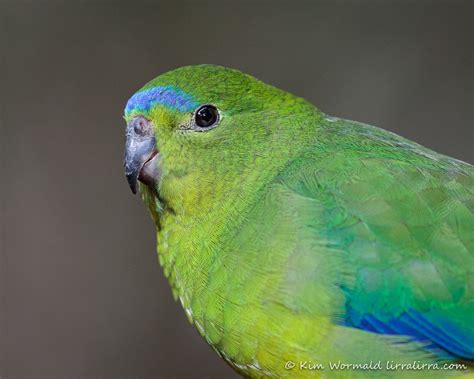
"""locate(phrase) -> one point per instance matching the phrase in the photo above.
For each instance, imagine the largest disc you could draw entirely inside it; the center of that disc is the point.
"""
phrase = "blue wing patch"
(424, 327)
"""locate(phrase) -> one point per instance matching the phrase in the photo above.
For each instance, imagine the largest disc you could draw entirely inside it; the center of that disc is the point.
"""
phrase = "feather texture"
(289, 235)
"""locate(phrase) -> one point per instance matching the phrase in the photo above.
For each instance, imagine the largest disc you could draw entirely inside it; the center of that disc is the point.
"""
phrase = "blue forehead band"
(168, 96)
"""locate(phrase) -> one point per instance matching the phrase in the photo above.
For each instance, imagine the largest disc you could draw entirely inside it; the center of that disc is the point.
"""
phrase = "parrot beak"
(141, 161)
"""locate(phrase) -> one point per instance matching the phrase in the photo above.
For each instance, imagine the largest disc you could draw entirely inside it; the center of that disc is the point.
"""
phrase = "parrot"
(302, 245)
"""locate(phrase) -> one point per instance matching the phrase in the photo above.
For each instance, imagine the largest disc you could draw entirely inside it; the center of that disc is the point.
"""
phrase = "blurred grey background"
(81, 292)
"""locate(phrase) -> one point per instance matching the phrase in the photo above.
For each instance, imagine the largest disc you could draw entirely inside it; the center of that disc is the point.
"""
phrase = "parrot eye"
(141, 126)
(206, 116)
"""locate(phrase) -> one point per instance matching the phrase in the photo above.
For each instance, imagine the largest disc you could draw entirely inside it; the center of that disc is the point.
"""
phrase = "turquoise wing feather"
(403, 215)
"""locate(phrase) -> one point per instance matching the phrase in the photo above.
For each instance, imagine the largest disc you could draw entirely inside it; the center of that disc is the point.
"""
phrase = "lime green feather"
(282, 229)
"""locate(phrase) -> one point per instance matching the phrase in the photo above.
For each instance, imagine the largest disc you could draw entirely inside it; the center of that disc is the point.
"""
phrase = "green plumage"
(289, 235)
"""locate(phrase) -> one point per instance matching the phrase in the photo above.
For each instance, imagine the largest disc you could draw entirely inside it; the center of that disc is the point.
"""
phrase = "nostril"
(141, 126)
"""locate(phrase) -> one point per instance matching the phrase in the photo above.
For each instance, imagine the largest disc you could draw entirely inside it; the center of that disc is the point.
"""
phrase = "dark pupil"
(206, 116)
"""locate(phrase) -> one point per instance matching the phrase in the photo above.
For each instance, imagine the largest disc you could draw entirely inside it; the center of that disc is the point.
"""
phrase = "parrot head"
(197, 130)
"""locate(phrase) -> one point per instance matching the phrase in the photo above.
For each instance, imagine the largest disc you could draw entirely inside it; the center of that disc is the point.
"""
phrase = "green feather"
(272, 225)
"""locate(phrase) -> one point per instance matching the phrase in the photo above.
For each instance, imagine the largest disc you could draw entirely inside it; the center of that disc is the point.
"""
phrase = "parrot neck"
(192, 233)
(189, 238)
(200, 222)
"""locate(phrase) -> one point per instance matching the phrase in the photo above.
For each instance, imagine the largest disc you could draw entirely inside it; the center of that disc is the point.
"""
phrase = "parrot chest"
(235, 283)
